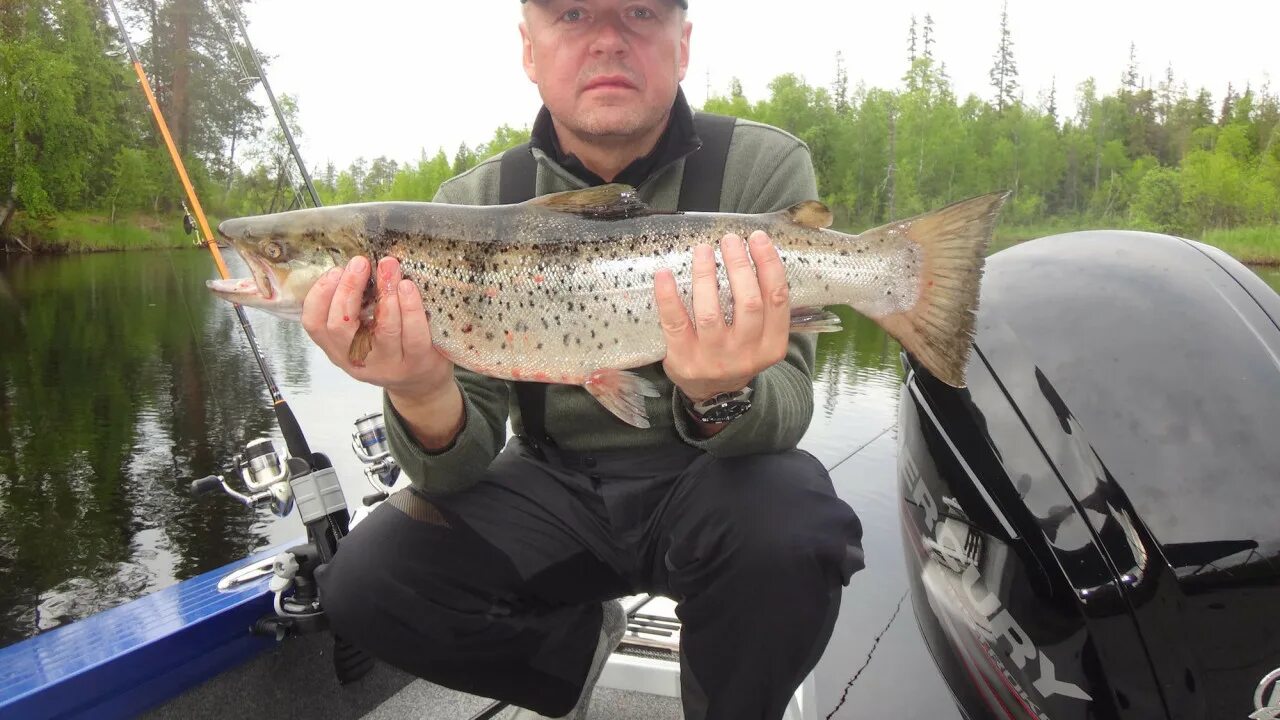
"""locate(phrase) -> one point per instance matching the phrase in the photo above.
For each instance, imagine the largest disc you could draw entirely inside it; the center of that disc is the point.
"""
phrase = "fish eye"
(273, 250)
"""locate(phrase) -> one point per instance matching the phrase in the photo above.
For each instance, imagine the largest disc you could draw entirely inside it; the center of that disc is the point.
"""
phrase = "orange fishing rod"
(289, 427)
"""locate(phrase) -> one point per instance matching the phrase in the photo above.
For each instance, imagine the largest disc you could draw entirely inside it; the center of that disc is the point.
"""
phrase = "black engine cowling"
(1093, 524)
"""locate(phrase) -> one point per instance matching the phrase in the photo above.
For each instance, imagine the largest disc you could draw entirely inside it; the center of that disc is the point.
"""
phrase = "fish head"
(286, 254)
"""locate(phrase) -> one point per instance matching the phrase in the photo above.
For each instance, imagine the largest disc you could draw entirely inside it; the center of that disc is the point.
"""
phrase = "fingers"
(315, 306)
(387, 317)
(344, 311)
(708, 316)
(774, 292)
(676, 328)
(748, 307)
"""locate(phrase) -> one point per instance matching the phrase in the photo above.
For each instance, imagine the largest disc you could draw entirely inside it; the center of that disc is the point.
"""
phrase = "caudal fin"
(939, 330)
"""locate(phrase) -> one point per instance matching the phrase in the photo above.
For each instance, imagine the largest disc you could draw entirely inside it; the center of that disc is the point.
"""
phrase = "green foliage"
(75, 137)
(1158, 203)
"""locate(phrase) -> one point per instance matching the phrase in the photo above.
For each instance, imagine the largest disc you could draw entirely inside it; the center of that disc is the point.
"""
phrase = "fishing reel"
(274, 480)
(264, 476)
(369, 443)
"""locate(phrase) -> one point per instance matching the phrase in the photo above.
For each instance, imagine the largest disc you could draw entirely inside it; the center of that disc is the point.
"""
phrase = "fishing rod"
(304, 476)
(289, 427)
(284, 126)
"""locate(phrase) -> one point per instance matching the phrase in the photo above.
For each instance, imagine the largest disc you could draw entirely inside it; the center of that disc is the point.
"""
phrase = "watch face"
(726, 411)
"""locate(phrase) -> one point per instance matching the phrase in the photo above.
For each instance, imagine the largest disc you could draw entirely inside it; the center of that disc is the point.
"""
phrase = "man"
(497, 572)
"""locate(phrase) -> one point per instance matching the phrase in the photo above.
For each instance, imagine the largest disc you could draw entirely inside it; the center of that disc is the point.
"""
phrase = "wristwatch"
(720, 408)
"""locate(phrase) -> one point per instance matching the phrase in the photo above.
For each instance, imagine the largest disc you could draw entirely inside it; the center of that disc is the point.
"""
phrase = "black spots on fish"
(467, 328)
(449, 315)
(522, 326)
(859, 251)
(593, 334)
(616, 341)
(844, 253)
(545, 325)
(615, 307)
(557, 320)
(577, 341)
(445, 333)
(499, 316)
(503, 347)
(600, 346)
(570, 306)
(827, 287)
(606, 323)
(539, 346)
(582, 306)
(566, 339)
(488, 336)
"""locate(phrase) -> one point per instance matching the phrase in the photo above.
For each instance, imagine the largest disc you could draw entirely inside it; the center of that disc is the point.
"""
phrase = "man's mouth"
(617, 82)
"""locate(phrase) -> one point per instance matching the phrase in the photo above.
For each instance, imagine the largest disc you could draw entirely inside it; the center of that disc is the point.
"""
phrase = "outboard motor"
(1092, 525)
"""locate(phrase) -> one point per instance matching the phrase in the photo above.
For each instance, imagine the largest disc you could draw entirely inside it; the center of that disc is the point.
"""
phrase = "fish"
(560, 288)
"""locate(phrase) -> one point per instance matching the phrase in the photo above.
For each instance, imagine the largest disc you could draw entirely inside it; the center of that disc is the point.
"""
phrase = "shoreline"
(87, 233)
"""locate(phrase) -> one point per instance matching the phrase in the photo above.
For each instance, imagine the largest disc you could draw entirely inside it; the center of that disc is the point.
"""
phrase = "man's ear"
(526, 49)
(683, 64)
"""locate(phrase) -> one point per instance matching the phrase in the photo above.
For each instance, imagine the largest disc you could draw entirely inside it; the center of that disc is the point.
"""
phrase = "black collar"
(679, 139)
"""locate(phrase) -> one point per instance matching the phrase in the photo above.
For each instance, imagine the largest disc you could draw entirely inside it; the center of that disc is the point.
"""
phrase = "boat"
(1086, 530)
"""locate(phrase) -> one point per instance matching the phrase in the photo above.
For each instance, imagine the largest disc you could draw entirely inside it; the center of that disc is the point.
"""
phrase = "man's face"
(606, 68)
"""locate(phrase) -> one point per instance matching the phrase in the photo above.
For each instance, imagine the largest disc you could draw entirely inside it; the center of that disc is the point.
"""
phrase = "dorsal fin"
(605, 202)
(810, 213)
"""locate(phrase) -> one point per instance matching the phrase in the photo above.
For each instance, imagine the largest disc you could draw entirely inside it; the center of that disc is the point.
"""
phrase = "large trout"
(560, 288)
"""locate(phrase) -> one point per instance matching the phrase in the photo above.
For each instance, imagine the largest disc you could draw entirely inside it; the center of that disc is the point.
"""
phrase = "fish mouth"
(260, 286)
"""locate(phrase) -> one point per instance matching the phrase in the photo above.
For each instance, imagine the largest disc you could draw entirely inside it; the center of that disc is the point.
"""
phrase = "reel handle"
(206, 485)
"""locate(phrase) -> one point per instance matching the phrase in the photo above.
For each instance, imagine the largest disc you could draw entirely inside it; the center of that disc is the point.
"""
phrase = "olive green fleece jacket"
(767, 169)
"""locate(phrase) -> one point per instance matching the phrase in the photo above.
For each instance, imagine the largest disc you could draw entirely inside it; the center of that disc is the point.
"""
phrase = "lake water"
(122, 379)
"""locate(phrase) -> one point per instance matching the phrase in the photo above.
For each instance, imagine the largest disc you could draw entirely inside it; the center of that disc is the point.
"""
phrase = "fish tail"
(939, 329)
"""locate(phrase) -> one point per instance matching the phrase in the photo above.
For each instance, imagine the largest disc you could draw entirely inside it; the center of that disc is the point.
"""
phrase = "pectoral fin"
(361, 344)
(623, 393)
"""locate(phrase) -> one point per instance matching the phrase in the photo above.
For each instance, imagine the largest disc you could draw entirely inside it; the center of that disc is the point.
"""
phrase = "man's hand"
(418, 379)
(403, 360)
(705, 356)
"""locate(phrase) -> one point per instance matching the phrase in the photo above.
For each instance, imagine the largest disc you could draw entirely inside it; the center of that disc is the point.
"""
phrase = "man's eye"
(642, 13)
(572, 15)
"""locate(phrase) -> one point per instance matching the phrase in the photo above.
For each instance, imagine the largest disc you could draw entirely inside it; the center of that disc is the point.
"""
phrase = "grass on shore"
(86, 232)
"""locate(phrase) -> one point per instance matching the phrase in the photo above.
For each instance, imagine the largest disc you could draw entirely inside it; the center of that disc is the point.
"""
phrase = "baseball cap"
(682, 3)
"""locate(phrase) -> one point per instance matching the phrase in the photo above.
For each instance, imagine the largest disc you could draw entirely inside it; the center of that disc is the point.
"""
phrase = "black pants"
(496, 590)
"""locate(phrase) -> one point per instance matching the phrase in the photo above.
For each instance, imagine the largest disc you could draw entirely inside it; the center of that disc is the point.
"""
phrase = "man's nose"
(610, 38)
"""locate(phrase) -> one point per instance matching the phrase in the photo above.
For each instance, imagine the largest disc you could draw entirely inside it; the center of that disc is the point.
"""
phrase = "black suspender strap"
(518, 176)
(704, 168)
(699, 192)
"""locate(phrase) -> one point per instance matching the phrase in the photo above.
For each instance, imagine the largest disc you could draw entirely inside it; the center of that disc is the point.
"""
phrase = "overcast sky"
(382, 77)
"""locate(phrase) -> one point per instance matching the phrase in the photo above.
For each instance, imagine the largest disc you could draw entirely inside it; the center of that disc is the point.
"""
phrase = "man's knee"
(399, 568)
(782, 517)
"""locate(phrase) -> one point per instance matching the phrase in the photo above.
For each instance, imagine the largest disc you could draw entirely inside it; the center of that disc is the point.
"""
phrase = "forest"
(82, 164)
